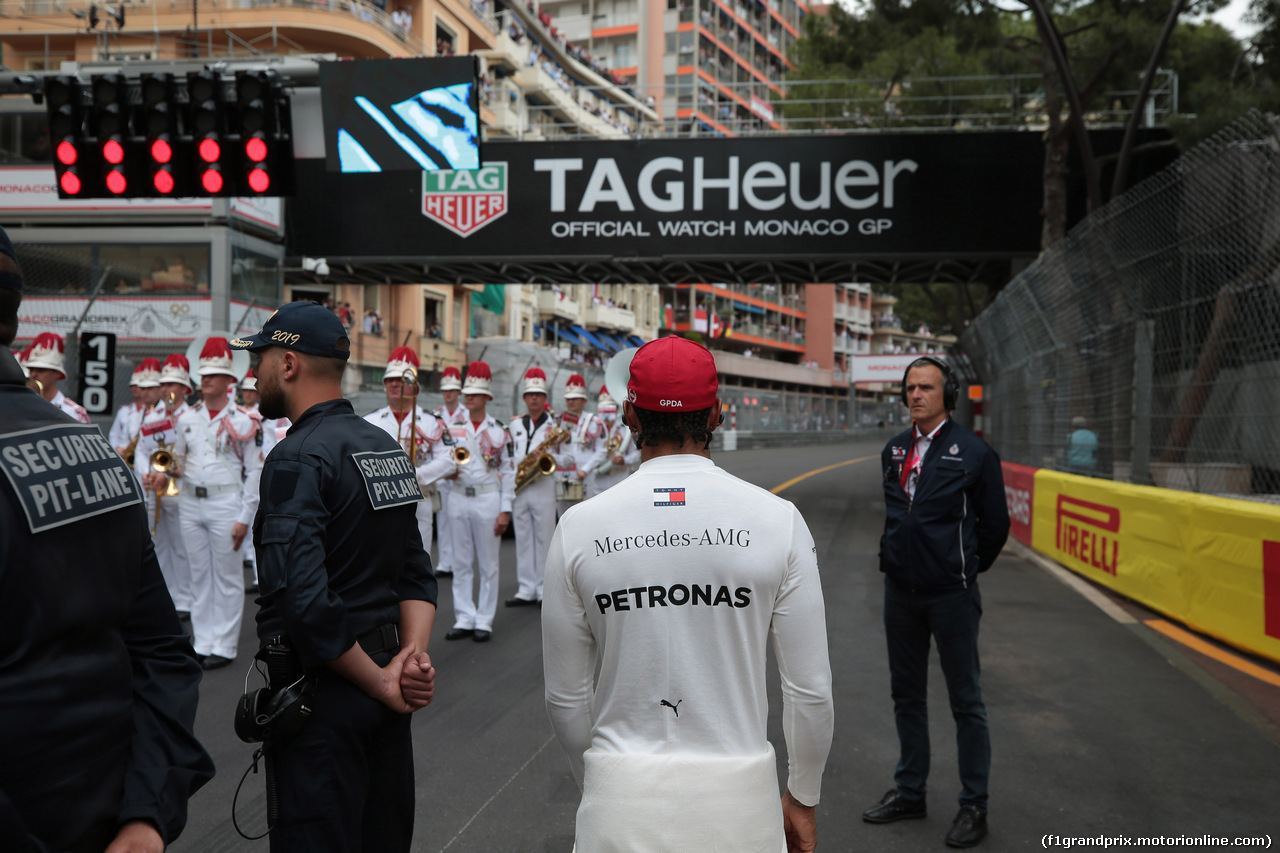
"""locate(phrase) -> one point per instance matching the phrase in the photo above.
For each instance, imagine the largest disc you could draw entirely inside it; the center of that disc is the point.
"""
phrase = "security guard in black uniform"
(98, 684)
(346, 588)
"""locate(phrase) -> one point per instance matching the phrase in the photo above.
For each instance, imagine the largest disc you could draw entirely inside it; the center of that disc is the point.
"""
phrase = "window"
(445, 40)
(24, 138)
(311, 293)
(433, 315)
(132, 269)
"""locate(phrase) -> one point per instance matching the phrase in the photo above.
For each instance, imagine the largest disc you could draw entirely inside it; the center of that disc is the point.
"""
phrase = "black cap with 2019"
(303, 326)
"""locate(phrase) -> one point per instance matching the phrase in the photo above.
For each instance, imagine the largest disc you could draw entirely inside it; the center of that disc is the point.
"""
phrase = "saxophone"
(540, 461)
(611, 448)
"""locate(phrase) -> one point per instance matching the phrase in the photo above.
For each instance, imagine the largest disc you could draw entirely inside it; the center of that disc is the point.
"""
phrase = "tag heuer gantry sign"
(772, 199)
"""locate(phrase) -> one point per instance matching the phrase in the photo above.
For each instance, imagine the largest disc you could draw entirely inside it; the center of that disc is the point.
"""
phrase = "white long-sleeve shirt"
(492, 463)
(221, 449)
(432, 459)
(125, 426)
(675, 579)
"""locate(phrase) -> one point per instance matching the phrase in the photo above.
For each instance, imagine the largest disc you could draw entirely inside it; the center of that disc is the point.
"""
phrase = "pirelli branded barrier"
(1212, 563)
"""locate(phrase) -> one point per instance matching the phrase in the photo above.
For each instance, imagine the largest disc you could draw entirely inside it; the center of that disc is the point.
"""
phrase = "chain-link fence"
(1145, 347)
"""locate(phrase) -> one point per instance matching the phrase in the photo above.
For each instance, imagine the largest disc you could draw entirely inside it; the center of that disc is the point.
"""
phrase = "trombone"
(410, 377)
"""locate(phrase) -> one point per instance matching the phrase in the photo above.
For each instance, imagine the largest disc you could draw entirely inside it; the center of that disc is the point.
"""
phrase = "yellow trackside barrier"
(1212, 563)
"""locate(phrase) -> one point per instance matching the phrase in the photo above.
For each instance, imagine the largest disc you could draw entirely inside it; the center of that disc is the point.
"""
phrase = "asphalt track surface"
(1098, 727)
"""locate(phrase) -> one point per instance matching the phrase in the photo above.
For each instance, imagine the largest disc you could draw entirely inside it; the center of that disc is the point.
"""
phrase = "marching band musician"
(534, 509)
(44, 364)
(413, 427)
(219, 478)
(144, 387)
(272, 430)
(483, 495)
(454, 417)
(620, 452)
(579, 456)
(159, 430)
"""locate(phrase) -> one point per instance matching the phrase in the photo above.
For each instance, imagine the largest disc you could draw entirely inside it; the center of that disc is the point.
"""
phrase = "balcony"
(228, 28)
(609, 317)
(553, 304)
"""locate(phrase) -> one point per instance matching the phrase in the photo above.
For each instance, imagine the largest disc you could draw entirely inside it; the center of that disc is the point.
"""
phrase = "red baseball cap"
(673, 373)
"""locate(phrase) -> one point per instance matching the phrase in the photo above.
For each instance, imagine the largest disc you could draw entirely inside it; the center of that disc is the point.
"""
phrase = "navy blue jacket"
(98, 684)
(337, 534)
(958, 521)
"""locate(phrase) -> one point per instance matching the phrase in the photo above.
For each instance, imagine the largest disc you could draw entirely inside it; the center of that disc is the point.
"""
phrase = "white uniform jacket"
(673, 582)
(220, 452)
(71, 407)
(492, 461)
(157, 426)
(584, 451)
(125, 426)
(432, 442)
(618, 431)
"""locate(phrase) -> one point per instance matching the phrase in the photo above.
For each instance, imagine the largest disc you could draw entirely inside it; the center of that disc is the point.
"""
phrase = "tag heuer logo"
(465, 201)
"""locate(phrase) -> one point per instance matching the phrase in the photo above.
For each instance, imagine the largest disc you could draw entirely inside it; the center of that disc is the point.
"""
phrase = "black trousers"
(345, 781)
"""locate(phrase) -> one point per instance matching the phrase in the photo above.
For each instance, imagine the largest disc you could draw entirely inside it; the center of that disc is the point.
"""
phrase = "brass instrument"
(410, 377)
(164, 462)
(540, 460)
(611, 448)
(460, 455)
(36, 385)
(131, 449)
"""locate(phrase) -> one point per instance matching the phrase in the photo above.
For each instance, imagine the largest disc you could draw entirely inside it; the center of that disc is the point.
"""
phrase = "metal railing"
(1145, 347)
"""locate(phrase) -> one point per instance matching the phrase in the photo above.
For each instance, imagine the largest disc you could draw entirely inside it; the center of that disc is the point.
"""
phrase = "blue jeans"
(911, 618)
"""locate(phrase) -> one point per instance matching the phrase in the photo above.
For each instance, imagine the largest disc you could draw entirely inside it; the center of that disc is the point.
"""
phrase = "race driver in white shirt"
(671, 583)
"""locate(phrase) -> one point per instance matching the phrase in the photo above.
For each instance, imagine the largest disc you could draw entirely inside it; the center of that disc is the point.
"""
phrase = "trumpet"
(164, 462)
(460, 455)
(36, 385)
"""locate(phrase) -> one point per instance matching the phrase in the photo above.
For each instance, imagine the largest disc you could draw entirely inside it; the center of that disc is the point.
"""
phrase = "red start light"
(113, 152)
(259, 180)
(116, 184)
(161, 152)
(211, 180)
(70, 183)
(163, 181)
(210, 150)
(256, 149)
(67, 153)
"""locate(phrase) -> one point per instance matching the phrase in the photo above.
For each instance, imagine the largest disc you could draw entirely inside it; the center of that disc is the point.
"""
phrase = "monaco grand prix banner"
(963, 194)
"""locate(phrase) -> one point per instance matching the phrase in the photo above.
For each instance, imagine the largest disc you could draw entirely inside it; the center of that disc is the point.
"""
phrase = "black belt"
(384, 639)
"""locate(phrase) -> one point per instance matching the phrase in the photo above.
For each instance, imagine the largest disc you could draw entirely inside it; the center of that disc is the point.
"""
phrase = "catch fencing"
(1152, 331)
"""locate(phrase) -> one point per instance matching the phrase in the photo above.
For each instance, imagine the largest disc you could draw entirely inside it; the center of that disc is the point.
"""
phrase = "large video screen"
(384, 115)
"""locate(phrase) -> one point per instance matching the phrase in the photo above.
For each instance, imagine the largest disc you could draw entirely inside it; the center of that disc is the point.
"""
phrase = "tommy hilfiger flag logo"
(668, 497)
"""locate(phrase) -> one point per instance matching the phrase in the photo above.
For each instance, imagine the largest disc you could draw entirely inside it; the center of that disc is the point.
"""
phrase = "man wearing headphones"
(946, 521)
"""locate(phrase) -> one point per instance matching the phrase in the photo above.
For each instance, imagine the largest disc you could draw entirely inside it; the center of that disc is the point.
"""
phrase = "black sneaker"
(894, 806)
(969, 828)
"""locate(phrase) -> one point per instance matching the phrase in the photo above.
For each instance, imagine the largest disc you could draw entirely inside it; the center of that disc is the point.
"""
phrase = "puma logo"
(675, 707)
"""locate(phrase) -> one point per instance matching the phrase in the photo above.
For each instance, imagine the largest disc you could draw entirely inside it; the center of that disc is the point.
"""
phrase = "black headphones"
(265, 712)
(950, 388)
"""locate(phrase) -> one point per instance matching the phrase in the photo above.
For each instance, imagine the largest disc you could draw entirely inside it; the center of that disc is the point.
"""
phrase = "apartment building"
(174, 268)
(711, 66)
(775, 350)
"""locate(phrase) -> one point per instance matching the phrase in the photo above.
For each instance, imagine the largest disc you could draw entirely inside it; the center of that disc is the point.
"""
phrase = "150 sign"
(97, 374)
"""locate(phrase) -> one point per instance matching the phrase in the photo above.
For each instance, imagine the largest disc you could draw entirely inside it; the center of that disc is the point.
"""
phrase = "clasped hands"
(408, 681)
